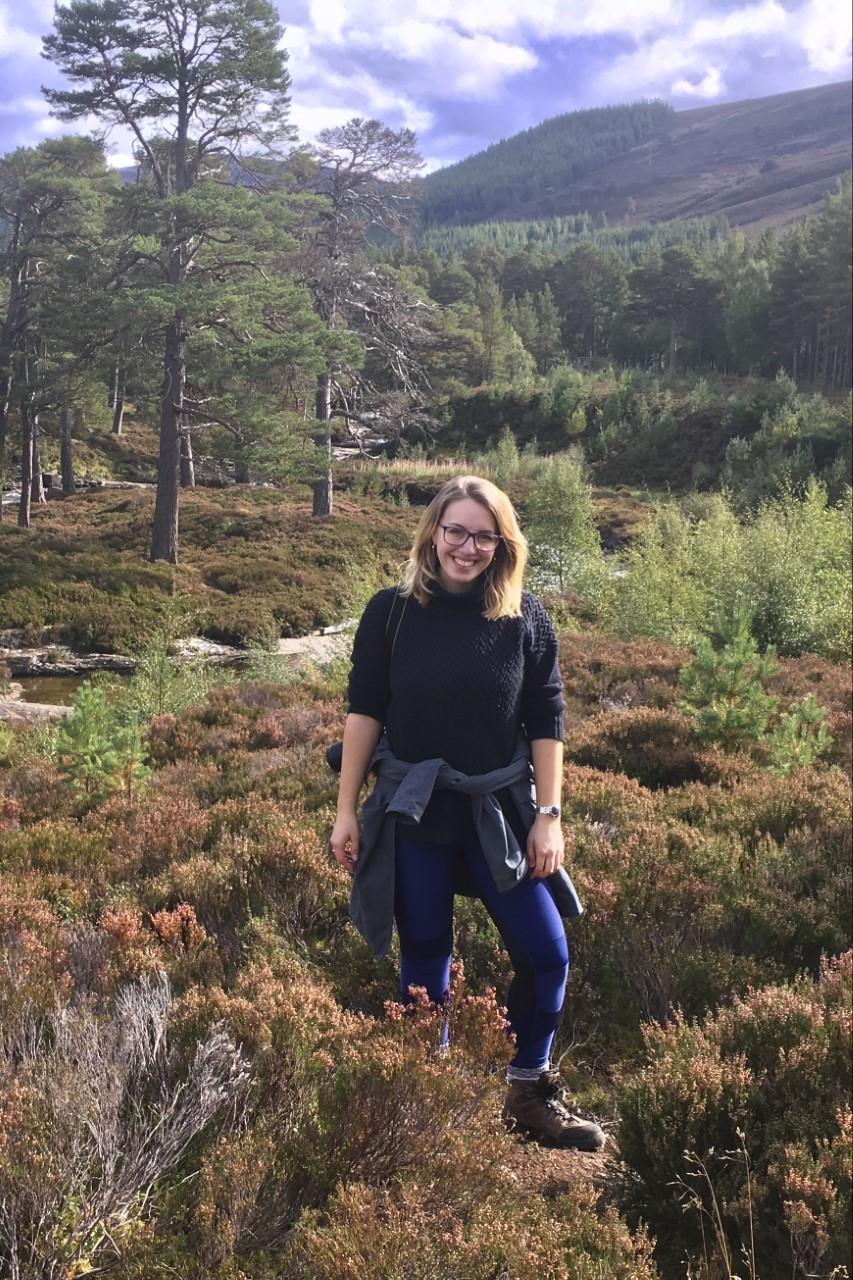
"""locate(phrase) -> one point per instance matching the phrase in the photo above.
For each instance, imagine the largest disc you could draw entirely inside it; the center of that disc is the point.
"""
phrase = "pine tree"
(97, 752)
(724, 690)
(195, 81)
(548, 346)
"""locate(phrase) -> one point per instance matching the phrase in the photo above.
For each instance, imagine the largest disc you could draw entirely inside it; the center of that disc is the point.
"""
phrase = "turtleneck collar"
(472, 598)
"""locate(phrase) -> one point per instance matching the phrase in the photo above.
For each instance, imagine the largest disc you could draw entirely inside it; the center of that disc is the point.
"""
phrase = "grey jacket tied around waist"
(401, 794)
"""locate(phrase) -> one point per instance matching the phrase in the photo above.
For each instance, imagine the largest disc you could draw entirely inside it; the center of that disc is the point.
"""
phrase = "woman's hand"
(544, 846)
(344, 840)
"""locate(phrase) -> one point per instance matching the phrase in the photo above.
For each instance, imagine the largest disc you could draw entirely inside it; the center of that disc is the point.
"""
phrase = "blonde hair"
(505, 574)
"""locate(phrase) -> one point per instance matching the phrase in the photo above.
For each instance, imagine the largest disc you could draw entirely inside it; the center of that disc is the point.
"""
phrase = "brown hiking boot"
(536, 1107)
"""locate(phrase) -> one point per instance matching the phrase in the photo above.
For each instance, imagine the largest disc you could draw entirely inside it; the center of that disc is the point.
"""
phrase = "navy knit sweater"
(457, 685)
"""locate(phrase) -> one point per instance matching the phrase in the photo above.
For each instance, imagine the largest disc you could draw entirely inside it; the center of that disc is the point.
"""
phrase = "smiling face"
(459, 567)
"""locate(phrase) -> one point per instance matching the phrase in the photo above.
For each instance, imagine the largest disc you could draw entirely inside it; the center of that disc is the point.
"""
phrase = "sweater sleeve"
(542, 703)
(368, 690)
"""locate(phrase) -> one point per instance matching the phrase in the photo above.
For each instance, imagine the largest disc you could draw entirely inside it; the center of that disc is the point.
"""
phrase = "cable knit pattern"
(459, 685)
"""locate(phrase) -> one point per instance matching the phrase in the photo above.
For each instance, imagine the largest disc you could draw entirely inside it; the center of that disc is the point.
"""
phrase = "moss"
(254, 565)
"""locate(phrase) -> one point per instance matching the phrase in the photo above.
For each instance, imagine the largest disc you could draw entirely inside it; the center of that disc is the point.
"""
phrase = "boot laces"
(551, 1089)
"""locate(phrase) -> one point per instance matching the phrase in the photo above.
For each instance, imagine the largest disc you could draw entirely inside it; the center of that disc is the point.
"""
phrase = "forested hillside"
(761, 162)
(535, 164)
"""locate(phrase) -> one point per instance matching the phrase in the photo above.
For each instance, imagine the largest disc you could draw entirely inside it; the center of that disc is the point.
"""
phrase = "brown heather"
(760, 1091)
(357, 1150)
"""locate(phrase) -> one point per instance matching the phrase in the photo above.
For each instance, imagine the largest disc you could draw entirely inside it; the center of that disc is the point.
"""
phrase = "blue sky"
(464, 73)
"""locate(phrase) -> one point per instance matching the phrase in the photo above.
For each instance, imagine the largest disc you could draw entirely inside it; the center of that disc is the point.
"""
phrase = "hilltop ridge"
(759, 162)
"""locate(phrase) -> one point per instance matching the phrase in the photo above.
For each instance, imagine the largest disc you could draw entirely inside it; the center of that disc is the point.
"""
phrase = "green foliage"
(162, 684)
(724, 690)
(659, 593)
(800, 736)
(797, 562)
(799, 437)
(790, 567)
(98, 753)
(565, 549)
(505, 458)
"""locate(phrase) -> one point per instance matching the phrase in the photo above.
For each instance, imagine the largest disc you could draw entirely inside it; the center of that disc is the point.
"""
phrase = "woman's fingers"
(543, 862)
(344, 842)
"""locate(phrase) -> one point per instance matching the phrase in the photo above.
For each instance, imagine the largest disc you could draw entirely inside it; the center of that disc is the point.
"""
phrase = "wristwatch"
(550, 810)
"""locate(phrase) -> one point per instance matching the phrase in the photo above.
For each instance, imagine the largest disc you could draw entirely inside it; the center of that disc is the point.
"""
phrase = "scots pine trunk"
(164, 536)
(66, 452)
(26, 464)
(323, 489)
(187, 464)
(118, 400)
(37, 480)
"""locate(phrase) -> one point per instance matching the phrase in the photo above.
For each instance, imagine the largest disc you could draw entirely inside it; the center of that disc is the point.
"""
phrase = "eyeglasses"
(456, 536)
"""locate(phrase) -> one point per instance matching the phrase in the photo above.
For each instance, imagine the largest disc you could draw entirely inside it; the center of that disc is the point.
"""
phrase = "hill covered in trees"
(765, 161)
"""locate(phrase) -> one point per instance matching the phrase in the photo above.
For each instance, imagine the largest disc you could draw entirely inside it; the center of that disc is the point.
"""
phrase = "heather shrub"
(406, 1231)
(145, 834)
(242, 622)
(654, 746)
(415, 1109)
(602, 673)
(771, 1071)
(652, 893)
(34, 974)
(257, 859)
(700, 891)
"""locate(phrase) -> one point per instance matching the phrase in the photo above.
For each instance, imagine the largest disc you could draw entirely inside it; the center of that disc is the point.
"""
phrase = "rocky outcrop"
(61, 662)
(15, 711)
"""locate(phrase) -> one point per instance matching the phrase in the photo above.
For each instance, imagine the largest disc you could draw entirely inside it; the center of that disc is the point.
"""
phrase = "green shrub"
(790, 567)
(800, 736)
(724, 689)
(565, 548)
(98, 753)
(797, 555)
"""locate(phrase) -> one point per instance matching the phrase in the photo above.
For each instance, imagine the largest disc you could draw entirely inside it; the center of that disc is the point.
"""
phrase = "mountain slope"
(760, 162)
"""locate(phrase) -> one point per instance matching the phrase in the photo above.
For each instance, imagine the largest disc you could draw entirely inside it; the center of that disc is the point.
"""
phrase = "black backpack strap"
(335, 752)
(391, 630)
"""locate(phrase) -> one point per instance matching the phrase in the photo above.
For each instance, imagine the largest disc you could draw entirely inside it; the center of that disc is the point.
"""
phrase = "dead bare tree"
(366, 172)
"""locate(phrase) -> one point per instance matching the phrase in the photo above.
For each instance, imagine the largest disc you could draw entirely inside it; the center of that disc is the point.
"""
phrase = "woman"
(459, 667)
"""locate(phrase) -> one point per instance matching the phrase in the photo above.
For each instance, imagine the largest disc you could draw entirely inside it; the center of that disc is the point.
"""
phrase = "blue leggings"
(526, 916)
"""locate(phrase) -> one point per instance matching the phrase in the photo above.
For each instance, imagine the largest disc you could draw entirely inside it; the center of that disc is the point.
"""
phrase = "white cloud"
(710, 86)
(689, 59)
(753, 20)
(827, 37)
(15, 40)
(24, 104)
(121, 159)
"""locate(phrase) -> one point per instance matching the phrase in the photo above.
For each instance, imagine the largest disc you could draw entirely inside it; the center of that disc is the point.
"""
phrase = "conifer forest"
(231, 378)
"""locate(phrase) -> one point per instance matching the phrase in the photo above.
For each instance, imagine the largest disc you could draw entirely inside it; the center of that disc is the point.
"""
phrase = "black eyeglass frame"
(499, 538)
